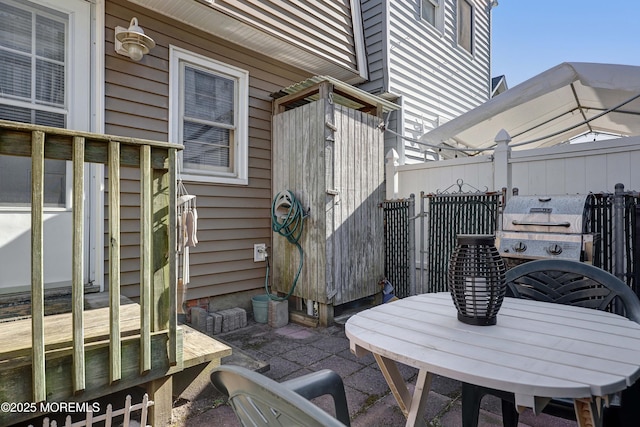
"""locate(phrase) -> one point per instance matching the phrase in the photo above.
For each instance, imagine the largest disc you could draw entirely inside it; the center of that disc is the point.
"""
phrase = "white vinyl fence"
(594, 167)
(563, 169)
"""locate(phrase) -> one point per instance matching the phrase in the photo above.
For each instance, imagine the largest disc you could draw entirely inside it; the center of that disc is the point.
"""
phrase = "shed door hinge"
(331, 126)
(335, 194)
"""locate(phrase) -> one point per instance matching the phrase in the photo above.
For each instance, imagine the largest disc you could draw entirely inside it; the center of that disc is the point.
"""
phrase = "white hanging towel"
(192, 227)
(187, 228)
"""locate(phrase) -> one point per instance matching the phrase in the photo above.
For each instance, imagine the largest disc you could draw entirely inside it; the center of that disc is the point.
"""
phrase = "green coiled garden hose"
(287, 219)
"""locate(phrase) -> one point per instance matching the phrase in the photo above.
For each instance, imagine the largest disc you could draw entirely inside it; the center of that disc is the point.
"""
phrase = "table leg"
(588, 412)
(419, 401)
(412, 407)
(396, 382)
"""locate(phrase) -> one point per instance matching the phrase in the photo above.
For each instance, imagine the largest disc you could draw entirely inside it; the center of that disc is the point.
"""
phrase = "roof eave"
(208, 17)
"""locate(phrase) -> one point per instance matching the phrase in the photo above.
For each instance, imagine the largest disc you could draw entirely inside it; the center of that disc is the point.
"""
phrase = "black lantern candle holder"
(477, 279)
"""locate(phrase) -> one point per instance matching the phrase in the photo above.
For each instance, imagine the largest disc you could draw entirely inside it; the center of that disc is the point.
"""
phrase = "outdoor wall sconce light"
(132, 41)
(477, 279)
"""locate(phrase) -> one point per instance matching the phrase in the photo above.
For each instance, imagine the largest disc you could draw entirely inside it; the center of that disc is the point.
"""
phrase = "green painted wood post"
(37, 267)
(77, 283)
(146, 218)
(115, 362)
(173, 268)
(161, 250)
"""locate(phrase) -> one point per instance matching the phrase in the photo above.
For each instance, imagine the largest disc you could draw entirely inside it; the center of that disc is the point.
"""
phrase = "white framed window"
(33, 71)
(44, 79)
(432, 11)
(465, 25)
(209, 115)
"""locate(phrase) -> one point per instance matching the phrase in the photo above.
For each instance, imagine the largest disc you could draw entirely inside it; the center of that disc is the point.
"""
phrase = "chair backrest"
(260, 401)
(572, 283)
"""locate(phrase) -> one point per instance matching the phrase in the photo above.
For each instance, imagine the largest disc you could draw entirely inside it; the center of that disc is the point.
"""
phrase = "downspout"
(359, 41)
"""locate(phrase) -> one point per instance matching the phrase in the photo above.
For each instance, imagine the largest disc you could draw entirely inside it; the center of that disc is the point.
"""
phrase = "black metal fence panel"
(602, 222)
(636, 249)
(450, 214)
(632, 237)
(399, 237)
(444, 215)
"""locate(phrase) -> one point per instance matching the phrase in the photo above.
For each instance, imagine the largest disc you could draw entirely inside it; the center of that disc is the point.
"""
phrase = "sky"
(531, 36)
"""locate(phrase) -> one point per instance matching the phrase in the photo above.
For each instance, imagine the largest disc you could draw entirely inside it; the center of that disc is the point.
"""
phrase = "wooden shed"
(328, 151)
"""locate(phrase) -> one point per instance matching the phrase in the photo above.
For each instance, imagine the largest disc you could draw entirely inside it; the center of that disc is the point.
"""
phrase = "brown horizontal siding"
(260, 165)
(225, 272)
(220, 190)
(130, 109)
(231, 211)
(137, 86)
(232, 218)
(138, 121)
(155, 72)
(236, 284)
(224, 249)
(232, 223)
(212, 237)
(116, 91)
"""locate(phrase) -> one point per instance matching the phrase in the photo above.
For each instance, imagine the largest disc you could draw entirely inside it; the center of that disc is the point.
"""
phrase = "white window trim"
(240, 174)
(439, 18)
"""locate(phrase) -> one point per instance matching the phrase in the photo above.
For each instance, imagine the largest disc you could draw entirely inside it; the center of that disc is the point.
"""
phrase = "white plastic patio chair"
(260, 401)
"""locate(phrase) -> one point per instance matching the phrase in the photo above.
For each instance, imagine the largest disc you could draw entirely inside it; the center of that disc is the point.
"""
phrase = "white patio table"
(537, 351)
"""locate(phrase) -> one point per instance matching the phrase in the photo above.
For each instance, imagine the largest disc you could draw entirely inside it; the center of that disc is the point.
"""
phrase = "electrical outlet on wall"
(259, 252)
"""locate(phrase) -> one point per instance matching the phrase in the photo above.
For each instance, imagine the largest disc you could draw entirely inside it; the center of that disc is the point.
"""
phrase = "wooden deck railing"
(158, 276)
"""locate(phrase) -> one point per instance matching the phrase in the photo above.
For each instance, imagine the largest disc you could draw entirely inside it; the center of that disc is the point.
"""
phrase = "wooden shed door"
(356, 174)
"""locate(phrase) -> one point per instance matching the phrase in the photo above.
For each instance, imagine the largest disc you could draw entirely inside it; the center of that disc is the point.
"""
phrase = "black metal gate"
(450, 214)
(399, 238)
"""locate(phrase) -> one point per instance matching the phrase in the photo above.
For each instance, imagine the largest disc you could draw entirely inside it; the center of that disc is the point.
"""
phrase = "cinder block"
(217, 323)
(191, 314)
(238, 315)
(242, 315)
(209, 325)
(226, 323)
(228, 320)
(233, 317)
(202, 319)
(199, 318)
(278, 313)
(236, 319)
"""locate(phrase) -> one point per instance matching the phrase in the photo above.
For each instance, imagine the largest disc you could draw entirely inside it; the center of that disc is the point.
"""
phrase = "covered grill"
(537, 227)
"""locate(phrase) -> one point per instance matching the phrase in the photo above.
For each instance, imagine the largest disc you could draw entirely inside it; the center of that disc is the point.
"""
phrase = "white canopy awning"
(568, 100)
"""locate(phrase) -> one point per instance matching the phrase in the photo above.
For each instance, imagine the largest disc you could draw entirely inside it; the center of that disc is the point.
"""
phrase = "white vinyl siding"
(436, 79)
(209, 116)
